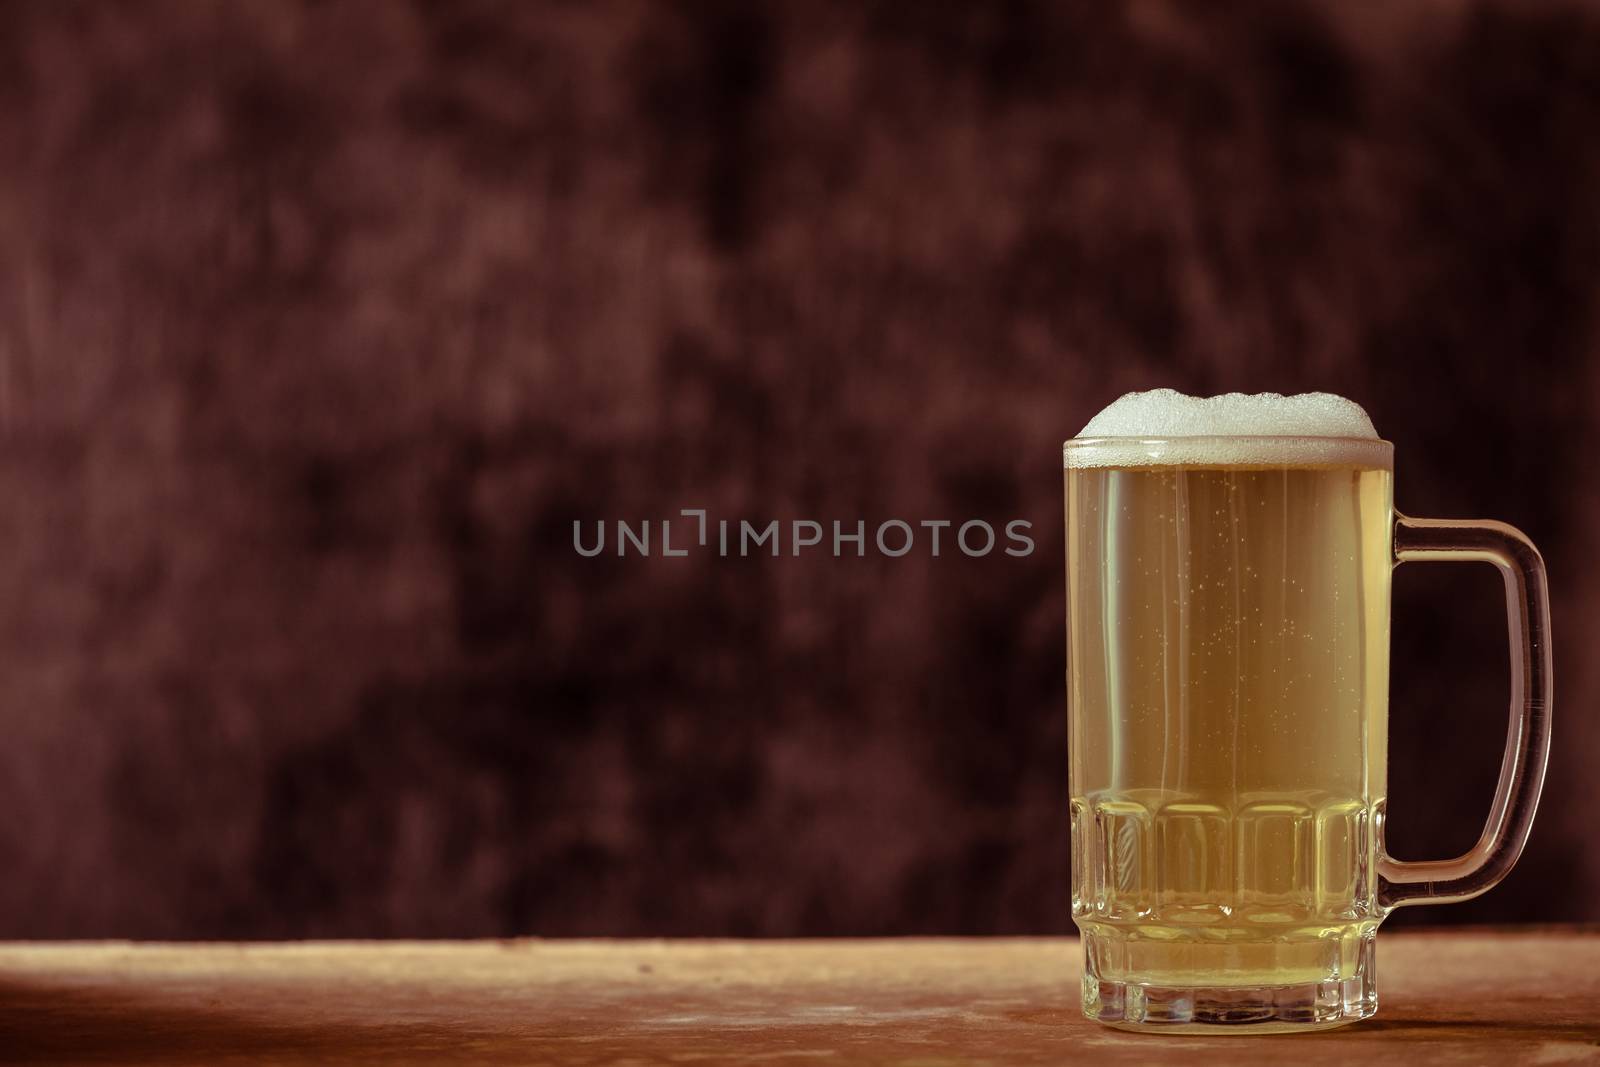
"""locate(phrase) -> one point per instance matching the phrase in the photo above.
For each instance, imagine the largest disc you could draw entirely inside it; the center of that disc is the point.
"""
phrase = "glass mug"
(1228, 672)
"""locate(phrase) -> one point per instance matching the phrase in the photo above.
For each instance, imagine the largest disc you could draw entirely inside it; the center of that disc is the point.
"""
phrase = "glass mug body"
(1228, 669)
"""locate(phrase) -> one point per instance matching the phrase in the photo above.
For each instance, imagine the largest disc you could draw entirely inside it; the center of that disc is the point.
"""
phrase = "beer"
(1228, 568)
(1228, 650)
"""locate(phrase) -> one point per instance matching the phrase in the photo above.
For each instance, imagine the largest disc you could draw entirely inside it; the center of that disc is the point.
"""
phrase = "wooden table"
(1470, 998)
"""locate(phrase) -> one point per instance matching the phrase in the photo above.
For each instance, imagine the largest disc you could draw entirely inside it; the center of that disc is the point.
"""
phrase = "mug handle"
(1516, 799)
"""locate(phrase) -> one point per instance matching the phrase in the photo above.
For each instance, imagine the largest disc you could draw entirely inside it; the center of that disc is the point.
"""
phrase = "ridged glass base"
(1158, 1007)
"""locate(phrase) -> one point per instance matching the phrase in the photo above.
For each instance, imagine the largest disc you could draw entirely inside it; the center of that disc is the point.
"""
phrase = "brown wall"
(321, 323)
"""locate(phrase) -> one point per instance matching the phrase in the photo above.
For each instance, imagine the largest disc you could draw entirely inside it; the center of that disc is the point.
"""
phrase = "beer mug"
(1228, 567)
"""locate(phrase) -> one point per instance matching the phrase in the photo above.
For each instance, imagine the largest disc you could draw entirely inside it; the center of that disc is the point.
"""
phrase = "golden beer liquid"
(1228, 702)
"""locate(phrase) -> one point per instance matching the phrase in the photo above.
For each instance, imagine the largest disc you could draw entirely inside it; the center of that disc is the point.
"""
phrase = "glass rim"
(1157, 438)
(1228, 450)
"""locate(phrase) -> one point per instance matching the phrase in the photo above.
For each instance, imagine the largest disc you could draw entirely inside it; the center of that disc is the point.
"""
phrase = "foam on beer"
(1164, 426)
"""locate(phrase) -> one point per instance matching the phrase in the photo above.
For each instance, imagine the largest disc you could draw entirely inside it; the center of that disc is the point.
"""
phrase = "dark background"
(320, 323)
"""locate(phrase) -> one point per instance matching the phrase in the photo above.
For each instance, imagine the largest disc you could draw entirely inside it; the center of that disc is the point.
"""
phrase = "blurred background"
(320, 323)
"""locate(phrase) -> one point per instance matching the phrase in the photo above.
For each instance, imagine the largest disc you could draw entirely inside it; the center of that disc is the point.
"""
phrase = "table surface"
(1470, 998)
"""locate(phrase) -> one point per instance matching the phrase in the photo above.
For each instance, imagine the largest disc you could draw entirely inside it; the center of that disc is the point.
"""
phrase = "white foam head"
(1166, 427)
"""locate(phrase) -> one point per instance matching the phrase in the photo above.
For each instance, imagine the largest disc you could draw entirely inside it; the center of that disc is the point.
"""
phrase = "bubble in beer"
(1164, 426)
